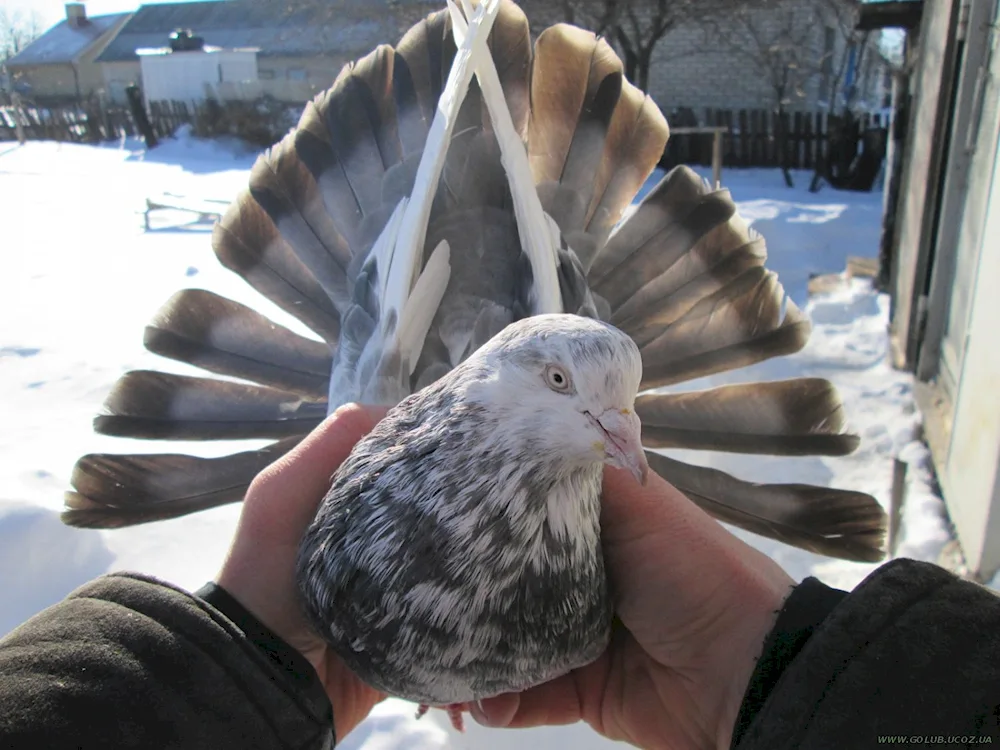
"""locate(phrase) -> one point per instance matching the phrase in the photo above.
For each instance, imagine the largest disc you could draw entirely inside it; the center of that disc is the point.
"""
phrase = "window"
(266, 74)
(298, 74)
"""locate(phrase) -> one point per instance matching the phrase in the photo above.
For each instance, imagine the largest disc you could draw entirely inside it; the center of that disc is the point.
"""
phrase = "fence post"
(139, 115)
(18, 126)
(717, 159)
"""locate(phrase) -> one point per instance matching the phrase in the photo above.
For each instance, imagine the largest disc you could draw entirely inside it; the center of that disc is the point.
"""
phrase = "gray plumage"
(457, 555)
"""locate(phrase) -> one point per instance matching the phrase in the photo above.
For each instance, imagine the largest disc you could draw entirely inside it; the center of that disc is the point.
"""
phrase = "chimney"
(76, 15)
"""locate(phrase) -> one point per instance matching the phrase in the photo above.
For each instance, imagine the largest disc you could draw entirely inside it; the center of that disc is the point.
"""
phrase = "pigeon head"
(569, 384)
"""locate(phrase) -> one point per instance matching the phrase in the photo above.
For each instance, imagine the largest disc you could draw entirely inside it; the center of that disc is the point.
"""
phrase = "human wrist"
(805, 609)
(760, 588)
(297, 668)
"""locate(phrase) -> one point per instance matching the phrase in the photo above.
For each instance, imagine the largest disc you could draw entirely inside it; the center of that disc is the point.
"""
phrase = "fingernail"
(478, 712)
(497, 712)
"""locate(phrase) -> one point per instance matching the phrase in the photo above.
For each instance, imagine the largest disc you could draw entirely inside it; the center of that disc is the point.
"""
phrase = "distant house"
(60, 65)
(299, 52)
(941, 254)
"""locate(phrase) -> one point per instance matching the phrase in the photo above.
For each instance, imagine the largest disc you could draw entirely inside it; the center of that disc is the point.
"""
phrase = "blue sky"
(51, 11)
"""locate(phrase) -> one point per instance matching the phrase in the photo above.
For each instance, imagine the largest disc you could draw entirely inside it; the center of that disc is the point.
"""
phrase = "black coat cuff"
(809, 604)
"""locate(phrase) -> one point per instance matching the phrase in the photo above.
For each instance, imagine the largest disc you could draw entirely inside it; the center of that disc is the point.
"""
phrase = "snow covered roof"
(268, 25)
(64, 43)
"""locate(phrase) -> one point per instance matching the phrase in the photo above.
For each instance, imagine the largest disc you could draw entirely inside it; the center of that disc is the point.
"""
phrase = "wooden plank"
(772, 141)
(717, 159)
(822, 138)
(797, 140)
(729, 143)
(784, 140)
(744, 139)
(825, 283)
(897, 499)
(205, 208)
(808, 144)
(918, 199)
(861, 267)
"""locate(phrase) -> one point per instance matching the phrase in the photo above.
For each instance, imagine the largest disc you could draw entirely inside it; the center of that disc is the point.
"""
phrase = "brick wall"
(713, 63)
(710, 64)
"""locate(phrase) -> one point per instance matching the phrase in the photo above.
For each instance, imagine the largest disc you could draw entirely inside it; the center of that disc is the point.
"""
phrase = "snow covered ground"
(82, 277)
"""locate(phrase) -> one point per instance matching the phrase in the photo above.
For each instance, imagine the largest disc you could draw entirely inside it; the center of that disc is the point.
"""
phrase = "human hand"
(259, 571)
(695, 604)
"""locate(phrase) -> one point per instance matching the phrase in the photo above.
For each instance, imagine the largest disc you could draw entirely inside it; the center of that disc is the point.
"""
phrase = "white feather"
(384, 252)
(413, 228)
(422, 305)
(533, 224)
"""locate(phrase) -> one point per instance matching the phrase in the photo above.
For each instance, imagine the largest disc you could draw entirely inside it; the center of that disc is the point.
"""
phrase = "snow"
(82, 277)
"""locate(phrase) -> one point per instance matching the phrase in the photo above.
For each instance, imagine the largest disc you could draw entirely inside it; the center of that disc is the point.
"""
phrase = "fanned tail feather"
(839, 523)
(163, 406)
(227, 338)
(593, 138)
(115, 491)
(800, 417)
(247, 243)
(329, 230)
(683, 275)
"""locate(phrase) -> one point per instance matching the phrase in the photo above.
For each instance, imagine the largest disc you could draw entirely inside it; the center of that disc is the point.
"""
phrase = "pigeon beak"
(623, 442)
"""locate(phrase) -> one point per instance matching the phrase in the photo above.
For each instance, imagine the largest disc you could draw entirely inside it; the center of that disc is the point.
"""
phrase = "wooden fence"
(760, 138)
(95, 122)
(753, 138)
(74, 123)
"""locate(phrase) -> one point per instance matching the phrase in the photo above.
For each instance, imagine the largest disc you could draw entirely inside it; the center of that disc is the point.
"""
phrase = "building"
(189, 71)
(61, 64)
(942, 252)
(300, 52)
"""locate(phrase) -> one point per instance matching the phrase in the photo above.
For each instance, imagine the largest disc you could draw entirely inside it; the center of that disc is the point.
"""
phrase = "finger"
(283, 498)
(496, 712)
(551, 704)
(660, 547)
(629, 508)
(658, 520)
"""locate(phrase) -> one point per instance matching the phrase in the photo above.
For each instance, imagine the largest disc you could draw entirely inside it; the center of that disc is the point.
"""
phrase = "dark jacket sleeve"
(911, 657)
(130, 662)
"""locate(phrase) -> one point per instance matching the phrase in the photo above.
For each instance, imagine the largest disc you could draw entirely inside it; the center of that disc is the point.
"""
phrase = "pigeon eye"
(557, 379)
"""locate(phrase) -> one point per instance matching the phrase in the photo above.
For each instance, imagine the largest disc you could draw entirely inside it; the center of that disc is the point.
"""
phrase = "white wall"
(971, 476)
(183, 76)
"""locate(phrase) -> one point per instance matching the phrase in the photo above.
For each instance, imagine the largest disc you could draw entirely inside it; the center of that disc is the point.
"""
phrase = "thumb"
(283, 499)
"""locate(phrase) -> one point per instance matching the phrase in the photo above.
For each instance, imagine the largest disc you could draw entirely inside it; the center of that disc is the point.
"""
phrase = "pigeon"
(458, 555)
(441, 191)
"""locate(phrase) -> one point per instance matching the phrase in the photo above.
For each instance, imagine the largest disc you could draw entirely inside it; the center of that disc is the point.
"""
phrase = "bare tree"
(851, 49)
(17, 31)
(636, 27)
(840, 19)
(779, 41)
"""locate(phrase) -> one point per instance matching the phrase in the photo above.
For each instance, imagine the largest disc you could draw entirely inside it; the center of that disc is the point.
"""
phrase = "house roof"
(64, 43)
(264, 24)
